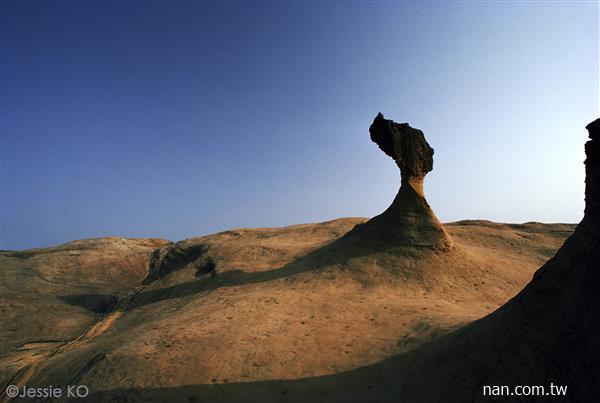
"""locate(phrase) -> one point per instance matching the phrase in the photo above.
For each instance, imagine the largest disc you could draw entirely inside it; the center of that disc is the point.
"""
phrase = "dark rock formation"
(592, 170)
(407, 146)
(173, 257)
(409, 221)
(206, 265)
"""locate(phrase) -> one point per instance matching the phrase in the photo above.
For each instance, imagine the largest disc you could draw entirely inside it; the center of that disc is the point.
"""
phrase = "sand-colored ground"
(51, 296)
(277, 309)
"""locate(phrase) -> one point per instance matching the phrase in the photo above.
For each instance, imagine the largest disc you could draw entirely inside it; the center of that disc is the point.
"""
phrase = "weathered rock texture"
(409, 220)
(173, 257)
(407, 147)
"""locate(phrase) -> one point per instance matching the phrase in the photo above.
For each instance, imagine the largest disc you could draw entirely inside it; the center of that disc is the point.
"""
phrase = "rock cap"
(406, 145)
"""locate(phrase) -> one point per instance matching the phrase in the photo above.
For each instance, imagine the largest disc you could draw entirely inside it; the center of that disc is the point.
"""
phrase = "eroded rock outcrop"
(592, 170)
(407, 147)
(175, 257)
(409, 220)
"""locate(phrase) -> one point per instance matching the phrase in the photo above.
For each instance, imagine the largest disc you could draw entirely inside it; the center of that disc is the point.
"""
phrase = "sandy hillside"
(270, 313)
(52, 295)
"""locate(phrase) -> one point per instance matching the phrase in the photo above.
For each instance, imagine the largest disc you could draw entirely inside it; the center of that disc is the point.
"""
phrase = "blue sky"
(176, 120)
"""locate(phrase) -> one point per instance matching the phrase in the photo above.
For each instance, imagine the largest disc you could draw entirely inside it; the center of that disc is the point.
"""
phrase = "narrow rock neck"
(415, 183)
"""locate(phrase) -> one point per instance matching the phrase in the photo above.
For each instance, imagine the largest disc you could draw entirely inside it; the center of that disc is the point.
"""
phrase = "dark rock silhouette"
(409, 220)
(592, 170)
(407, 147)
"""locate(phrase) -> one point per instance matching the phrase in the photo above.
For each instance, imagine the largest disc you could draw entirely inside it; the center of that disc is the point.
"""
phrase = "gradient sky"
(181, 119)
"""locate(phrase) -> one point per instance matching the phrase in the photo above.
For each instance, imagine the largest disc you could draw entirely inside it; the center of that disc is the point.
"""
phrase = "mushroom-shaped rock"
(408, 221)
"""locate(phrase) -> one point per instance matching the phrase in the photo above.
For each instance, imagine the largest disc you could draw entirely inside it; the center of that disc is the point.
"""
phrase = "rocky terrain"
(352, 309)
(68, 286)
(51, 296)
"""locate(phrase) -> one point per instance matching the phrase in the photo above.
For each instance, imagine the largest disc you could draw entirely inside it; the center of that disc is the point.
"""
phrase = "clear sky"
(175, 120)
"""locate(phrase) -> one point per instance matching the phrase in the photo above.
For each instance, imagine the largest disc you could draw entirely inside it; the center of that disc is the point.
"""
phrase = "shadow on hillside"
(354, 244)
(322, 257)
(452, 368)
(97, 303)
(358, 385)
(337, 252)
